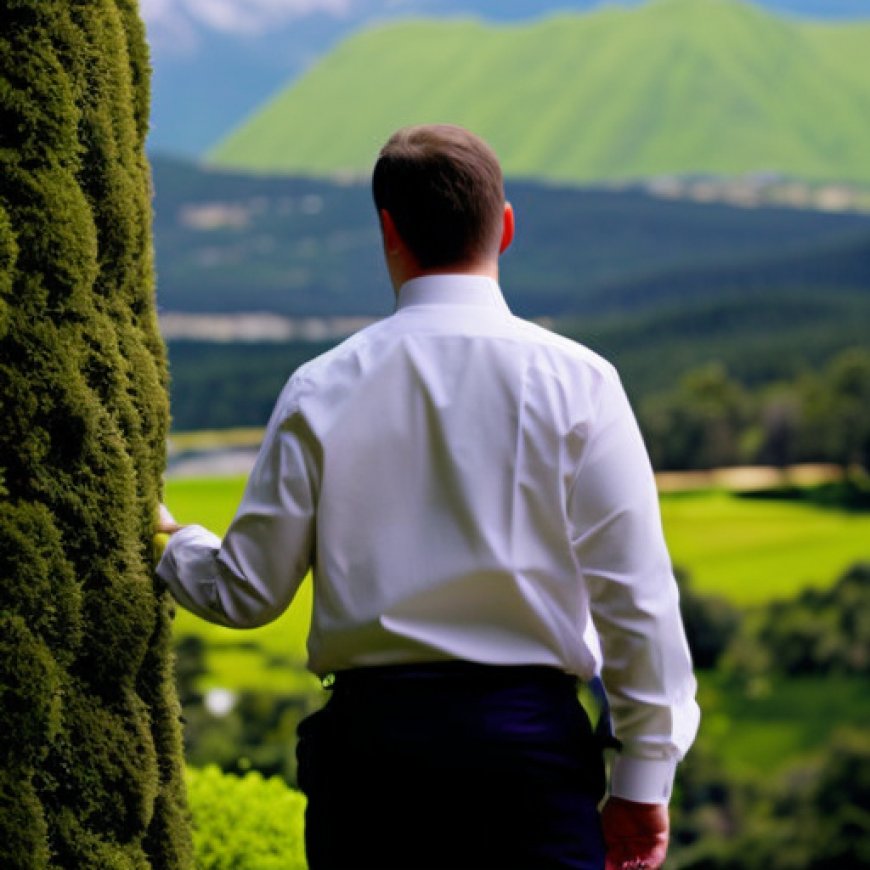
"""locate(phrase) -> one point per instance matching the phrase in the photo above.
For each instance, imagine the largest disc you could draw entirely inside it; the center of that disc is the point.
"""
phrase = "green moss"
(8, 258)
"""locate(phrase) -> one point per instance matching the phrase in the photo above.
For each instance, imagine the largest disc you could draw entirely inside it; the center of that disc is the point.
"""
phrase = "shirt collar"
(458, 289)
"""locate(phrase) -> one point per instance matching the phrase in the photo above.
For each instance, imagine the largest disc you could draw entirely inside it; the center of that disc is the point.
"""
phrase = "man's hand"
(636, 835)
(166, 524)
(163, 528)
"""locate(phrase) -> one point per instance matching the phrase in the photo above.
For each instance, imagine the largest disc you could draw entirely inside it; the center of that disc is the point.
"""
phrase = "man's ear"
(508, 228)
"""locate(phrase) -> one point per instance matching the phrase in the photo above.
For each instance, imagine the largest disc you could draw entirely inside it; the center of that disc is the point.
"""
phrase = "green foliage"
(818, 632)
(710, 623)
(216, 385)
(91, 741)
(601, 95)
(836, 406)
(710, 420)
(245, 823)
(764, 725)
(699, 424)
(813, 815)
(25, 831)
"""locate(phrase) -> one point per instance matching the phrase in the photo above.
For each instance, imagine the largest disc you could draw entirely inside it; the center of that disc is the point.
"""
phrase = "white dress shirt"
(467, 485)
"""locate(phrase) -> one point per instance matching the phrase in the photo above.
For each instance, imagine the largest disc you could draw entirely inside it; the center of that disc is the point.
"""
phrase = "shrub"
(818, 632)
(710, 622)
(245, 823)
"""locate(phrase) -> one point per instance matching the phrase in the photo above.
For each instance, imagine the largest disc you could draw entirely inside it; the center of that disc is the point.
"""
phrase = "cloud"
(258, 16)
(174, 23)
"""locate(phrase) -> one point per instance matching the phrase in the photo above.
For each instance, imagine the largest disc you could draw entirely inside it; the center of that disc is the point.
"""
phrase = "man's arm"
(647, 669)
(250, 577)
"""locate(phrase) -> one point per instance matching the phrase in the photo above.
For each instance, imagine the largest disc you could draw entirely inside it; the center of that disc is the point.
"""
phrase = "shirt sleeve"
(619, 543)
(250, 577)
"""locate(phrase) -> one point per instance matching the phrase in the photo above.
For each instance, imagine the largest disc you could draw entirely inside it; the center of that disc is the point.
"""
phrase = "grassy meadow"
(753, 551)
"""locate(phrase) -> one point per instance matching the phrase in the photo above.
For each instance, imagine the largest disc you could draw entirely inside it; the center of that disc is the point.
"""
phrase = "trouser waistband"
(450, 672)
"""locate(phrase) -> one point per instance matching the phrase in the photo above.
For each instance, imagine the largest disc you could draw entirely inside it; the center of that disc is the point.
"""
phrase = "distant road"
(257, 327)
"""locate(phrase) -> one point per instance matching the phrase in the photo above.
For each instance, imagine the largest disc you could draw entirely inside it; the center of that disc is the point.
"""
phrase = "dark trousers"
(451, 766)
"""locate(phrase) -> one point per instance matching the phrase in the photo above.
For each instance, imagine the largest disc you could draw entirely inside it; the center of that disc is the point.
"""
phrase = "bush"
(245, 823)
(710, 622)
(819, 632)
(813, 817)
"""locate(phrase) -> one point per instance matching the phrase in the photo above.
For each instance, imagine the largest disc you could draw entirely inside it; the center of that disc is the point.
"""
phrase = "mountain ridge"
(669, 87)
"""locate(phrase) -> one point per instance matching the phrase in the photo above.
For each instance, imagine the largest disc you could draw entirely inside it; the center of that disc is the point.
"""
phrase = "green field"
(788, 720)
(602, 95)
(753, 551)
(748, 551)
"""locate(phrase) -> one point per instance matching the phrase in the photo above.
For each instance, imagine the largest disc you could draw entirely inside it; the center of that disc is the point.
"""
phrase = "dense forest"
(768, 297)
(230, 242)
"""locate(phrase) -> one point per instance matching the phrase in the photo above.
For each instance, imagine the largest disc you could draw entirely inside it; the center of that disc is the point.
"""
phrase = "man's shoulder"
(318, 369)
(571, 351)
(348, 347)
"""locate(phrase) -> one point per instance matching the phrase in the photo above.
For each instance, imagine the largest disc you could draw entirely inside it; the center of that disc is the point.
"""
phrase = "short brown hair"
(444, 189)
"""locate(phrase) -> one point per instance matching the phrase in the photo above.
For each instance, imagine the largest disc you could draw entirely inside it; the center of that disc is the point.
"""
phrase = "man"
(470, 490)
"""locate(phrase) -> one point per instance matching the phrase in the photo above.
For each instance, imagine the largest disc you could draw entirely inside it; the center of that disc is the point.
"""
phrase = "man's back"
(449, 436)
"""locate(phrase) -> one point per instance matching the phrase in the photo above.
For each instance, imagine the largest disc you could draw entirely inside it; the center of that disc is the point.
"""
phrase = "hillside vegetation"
(766, 292)
(670, 87)
(232, 242)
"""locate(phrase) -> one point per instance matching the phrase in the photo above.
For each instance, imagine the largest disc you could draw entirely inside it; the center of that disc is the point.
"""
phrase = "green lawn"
(752, 551)
(789, 719)
(749, 551)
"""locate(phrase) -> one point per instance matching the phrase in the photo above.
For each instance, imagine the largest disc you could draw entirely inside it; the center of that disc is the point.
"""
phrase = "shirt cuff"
(171, 565)
(645, 780)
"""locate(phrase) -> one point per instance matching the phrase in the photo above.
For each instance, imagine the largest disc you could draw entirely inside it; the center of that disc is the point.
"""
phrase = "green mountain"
(670, 87)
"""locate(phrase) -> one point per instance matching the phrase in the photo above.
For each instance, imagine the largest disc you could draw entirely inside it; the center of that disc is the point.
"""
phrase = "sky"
(178, 22)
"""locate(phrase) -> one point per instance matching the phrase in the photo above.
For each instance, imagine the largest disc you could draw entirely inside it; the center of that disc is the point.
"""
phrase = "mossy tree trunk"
(90, 749)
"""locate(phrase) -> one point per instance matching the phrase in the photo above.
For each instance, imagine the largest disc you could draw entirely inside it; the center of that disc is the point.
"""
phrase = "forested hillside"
(766, 292)
(669, 87)
(231, 242)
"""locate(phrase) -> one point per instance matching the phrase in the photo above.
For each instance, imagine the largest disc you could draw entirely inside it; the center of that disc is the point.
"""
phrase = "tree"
(699, 424)
(848, 382)
(710, 622)
(821, 631)
(90, 754)
(835, 411)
